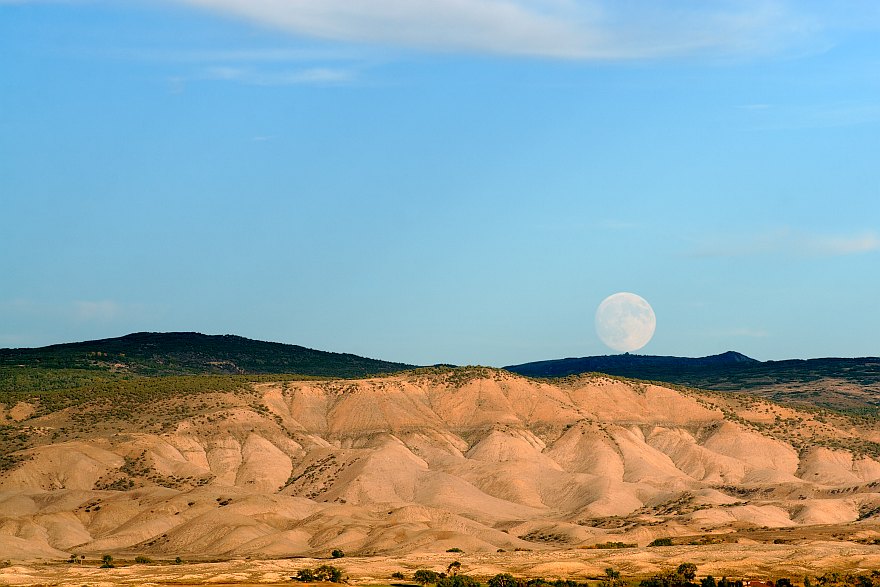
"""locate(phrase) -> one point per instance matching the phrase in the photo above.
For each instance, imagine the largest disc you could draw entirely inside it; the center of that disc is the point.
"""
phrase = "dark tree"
(687, 570)
(425, 577)
(502, 580)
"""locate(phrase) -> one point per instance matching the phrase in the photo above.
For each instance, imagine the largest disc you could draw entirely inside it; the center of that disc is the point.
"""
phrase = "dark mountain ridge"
(193, 353)
(839, 383)
(611, 364)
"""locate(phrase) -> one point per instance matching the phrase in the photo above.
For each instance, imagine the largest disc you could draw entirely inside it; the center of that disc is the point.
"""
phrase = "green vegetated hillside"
(192, 353)
(849, 384)
(124, 371)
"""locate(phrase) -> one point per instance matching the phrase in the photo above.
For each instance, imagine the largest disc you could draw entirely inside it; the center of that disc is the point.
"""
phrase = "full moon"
(625, 321)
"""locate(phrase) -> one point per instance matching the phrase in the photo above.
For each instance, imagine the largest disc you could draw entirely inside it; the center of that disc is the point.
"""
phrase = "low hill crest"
(188, 353)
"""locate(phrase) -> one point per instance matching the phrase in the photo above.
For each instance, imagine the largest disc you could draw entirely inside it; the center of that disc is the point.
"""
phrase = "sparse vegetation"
(425, 577)
(612, 578)
(610, 545)
(325, 573)
(458, 581)
(683, 576)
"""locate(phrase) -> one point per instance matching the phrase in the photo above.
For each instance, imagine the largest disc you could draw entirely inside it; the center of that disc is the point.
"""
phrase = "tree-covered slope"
(191, 353)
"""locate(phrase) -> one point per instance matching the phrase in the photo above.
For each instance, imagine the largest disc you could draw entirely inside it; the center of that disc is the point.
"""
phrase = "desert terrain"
(521, 475)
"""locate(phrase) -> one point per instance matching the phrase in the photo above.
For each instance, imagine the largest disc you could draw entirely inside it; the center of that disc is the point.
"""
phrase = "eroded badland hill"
(427, 460)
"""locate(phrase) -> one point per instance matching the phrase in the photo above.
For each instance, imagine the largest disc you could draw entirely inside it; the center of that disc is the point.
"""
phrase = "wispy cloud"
(73, 311)
(576, 29)
(96, 311)
(239, 55)
(249, 76)
(790, 243)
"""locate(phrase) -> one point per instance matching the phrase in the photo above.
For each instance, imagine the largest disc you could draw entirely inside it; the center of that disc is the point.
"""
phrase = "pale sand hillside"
(421, 462)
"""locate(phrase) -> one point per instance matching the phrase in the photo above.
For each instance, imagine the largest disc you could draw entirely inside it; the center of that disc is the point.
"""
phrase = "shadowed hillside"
(189, 353)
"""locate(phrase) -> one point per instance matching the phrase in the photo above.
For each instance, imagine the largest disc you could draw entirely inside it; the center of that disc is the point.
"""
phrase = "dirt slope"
(424, 461)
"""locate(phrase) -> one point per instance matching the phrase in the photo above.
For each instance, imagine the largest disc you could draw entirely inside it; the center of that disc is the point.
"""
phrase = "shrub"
(178, 561)
(326, 573)
(337, 553)
(661, 542)
(454, 549)
(687, 570)
(612, 578)
(142, 560)
(458, 581)
(502, 580)
(398, 575)
(425, 577)
(609, 545)
(107, 561)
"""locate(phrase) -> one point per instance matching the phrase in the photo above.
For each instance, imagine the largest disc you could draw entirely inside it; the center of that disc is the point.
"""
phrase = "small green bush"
(502, 580)
(458, 581)
(454, 549)
(661, 542)
(425, 577)
(325, 573)
(142, 560)
(337, 553)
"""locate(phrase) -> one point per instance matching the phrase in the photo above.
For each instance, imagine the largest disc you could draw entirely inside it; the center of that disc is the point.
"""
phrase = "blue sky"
(442, 180)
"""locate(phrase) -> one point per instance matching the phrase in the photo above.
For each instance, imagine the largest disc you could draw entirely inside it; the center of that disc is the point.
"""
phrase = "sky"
(457, 181)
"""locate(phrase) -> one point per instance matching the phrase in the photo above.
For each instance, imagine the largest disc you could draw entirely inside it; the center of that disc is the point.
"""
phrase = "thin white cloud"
(578, 29)
(249, 76)
(846, 245)
(790, 243)
(232, 55)
(96, 311)
(76, 311)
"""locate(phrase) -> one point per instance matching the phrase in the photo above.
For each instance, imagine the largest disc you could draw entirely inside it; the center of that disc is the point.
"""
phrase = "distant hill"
(627, 364)
(192, 353)
(840, 383)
